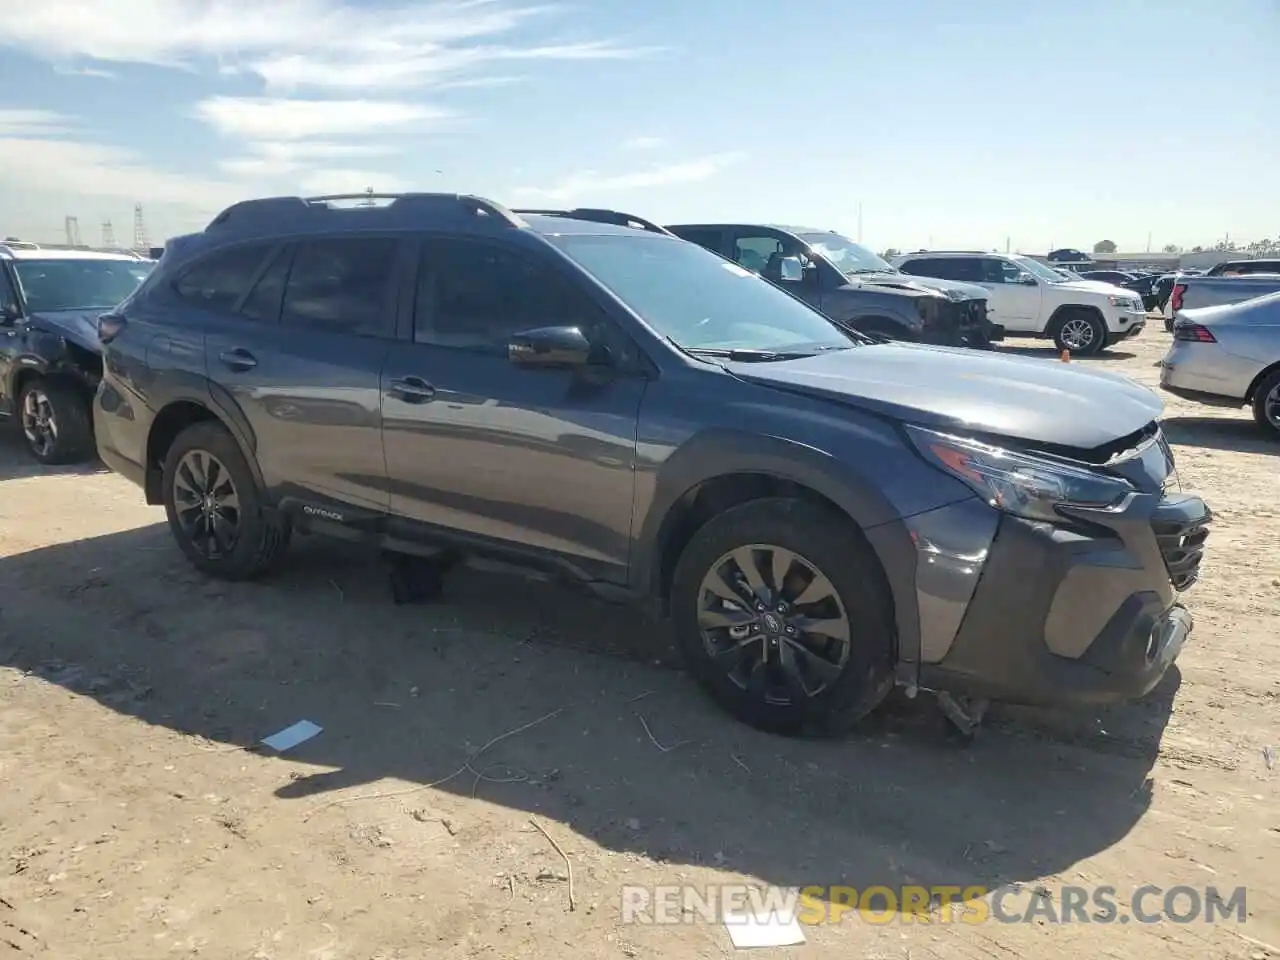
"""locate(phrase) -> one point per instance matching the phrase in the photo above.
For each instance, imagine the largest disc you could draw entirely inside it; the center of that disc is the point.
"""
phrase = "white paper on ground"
(290, 737)
(763, 929)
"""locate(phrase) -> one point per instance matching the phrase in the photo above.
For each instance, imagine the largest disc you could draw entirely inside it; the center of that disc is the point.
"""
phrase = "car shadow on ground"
(16, 461)
(1221, 433)
(613, 742)
(1053, 353)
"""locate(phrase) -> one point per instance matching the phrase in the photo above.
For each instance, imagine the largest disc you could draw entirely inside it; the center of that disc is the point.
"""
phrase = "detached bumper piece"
(1078, 615)
(1181, 528)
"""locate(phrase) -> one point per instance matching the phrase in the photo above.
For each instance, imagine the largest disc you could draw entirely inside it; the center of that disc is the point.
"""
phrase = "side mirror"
(9, 314)
(1027, 280)
(550, 347)
(792, 269)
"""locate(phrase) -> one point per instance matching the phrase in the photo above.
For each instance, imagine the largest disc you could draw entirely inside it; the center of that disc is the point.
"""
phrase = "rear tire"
(215, 509)
(56, 422)
(1080, 331)
(770, 667)
(1266, 403)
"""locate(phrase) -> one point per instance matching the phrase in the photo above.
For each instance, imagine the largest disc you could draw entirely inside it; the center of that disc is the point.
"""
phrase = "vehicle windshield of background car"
(1038, 269)
(849, 258)
(53, 285)
(700, 300)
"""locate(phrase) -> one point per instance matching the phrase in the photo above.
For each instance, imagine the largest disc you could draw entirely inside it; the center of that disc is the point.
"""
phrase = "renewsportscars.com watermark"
(1014, 903)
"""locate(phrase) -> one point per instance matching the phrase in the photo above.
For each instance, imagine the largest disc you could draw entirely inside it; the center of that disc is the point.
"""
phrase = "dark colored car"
(1243, 268)
(880, 300)
(1142, 284)
(50, 357)
(818, 514)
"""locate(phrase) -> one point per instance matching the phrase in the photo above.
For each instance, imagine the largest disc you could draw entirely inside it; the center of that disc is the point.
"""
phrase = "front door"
(525, 459)
(302, 364)
(1014, 296)
(761, 251)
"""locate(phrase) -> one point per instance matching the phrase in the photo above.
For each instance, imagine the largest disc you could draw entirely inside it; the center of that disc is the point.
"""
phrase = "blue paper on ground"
(290, 737)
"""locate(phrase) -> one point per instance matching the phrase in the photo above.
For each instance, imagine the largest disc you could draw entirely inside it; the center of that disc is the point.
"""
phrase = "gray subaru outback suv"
(817, 514)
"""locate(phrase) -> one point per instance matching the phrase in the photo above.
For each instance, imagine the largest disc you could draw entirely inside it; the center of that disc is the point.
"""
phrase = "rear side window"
(711, 239)
(342, 286)
(219, 281)
(944, 268)
(263, 302)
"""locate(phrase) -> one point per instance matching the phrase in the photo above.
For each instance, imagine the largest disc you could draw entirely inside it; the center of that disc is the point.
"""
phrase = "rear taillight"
(1194, 333)
(109, 326)
(1175, 299)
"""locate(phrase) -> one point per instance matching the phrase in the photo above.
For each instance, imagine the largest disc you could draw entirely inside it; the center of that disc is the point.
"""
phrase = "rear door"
(537, 460)
(302, 362)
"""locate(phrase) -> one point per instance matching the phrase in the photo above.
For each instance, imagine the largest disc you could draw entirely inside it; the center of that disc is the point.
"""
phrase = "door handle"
(238, 359)
(412, 390)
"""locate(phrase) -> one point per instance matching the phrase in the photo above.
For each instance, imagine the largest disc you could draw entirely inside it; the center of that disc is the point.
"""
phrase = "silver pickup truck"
(1192, 293)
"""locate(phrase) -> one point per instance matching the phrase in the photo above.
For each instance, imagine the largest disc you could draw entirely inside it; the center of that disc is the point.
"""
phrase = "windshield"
(698, 299)
(1038, 269)
(49, 285)
(849, 257)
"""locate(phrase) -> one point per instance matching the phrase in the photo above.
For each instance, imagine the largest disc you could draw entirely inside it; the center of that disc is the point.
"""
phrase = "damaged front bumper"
(1037, 613)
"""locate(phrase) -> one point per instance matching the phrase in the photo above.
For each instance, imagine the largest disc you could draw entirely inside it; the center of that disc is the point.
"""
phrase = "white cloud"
(93, 170)
(590, 185)
(291, 43)
(322, 182)
(83, 72)
(644, 143)
(264, 118)
(18, 122)
(272, 159)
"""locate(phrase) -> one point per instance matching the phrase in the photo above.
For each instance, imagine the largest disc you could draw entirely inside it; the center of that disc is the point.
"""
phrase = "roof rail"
(275, 209)
(16, 244)
(601, 215)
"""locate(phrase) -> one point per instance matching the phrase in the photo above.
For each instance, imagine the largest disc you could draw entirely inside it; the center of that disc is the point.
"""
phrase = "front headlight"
(1018, 483)
(1124, 303)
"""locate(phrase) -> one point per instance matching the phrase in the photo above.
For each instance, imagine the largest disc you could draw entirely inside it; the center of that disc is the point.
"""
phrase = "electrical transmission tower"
(73, 231)
(140, 241)
(108, 234)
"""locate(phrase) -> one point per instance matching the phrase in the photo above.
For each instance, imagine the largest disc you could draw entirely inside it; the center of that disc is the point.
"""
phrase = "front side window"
(342, 286)
(476, 296)
(1036, 269)
(698, 299)
(52, 285)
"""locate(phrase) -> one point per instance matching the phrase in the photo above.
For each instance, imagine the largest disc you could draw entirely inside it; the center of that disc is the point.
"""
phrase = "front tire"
(1266, 403)
(215, 509)
(781, 613)
(55, 422)
(1080, 331)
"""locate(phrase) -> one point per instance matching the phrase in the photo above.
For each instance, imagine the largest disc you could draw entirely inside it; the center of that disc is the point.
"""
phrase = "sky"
(913, 123)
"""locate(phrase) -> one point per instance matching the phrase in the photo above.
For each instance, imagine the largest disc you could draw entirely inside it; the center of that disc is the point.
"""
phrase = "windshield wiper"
(747, 355)
(860, 270)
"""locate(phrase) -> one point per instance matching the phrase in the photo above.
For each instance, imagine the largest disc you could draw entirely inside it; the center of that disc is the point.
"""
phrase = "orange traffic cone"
(1066, 356)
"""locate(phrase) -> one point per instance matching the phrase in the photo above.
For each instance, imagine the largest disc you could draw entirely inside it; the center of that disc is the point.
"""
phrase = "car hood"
(952, 289)
(1095, 286)
(78, 326)
(1037, 401)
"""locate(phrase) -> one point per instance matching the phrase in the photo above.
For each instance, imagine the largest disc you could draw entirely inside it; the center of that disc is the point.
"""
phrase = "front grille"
(1182, 546)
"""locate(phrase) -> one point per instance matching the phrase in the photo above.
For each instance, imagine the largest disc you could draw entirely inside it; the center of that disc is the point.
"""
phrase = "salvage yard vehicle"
(850, 284)
(50, 356)
(1229, 356)
(1033, 300)
(1192, 293)
(817, 514)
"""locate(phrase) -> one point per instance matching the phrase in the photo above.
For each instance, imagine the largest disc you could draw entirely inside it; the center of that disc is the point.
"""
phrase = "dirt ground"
(136, 823)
